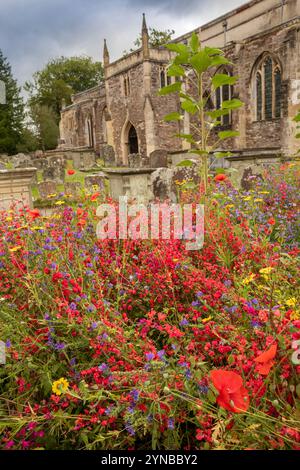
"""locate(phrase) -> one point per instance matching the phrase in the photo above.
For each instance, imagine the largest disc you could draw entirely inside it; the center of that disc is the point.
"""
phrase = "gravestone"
(2, 353)
(73, 188)
(46, 189)
(21, 161)
(158, 159)
(76, 157)
(95, 182)
(54, 174)
(249, 179)
(88, 160)
(108, 155)
(134, 160)
(2, 165)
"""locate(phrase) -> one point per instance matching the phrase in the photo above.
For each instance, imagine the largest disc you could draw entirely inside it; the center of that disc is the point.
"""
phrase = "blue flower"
(149, 356)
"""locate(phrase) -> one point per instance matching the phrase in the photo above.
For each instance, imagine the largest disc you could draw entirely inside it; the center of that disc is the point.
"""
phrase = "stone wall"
(15, 187)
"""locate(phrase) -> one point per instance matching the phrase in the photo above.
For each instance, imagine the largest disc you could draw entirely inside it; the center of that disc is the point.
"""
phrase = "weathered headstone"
(88, 160)
(73, 188)
(95, 182)
(158, 159)
(46, 189)
(21, 161)
(108, 155)
(54, 174)
(134, 160)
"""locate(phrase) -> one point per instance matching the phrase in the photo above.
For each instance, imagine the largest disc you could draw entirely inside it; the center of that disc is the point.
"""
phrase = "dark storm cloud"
(33, 31)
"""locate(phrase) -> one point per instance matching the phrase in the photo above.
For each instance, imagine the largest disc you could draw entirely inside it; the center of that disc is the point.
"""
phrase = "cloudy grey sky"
(33, 31)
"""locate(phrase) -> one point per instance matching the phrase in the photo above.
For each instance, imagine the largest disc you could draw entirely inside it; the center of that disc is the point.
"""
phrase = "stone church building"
(124, 114)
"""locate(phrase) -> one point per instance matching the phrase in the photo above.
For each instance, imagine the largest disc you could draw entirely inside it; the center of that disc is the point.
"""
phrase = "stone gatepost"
(15, 187)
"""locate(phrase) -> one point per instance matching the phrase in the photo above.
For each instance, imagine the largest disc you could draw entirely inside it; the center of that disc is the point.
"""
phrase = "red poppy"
(220, 177)
(271, 221)
(232, 394)
(34, 213)
(265, 360)
(95, 196)
(71, 172)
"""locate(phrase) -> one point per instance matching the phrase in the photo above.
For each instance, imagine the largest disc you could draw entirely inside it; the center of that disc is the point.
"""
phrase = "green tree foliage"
(28, 142)
(191, 62)
(46, 127)
(60, 79)
(12, 112)
(156, 38)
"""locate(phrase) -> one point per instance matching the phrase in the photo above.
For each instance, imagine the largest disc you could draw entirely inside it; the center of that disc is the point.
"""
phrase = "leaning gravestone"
(55, 170)
(108, 155)
(95, 182)
(46, 189)
(134, 160)
(158, 159)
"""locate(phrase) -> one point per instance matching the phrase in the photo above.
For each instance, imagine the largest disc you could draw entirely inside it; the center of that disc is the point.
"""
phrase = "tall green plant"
(194, 66)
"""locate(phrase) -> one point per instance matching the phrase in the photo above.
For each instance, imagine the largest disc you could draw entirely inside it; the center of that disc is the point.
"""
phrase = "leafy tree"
(28, 142)
(47, 130)
(60, 79)
(156, 38)
(12, 112)
(190, 64)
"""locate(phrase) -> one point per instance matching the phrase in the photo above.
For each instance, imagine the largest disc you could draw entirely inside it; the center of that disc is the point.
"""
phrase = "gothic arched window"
(223, 93)
(267, 89)
(165, 79)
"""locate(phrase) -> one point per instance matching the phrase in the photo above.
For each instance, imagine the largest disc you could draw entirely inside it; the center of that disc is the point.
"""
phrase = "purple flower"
(129, 428)
(149, 356)
(8, 343)
(73, 306)
(135, 395)
(183, 322)
(161, 354)
(171, 423)
(199, 293)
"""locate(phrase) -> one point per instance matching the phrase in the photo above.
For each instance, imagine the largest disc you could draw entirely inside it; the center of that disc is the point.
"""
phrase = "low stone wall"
(15, 187)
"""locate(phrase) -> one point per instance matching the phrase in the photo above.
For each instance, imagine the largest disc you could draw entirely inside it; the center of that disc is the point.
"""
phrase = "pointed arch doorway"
(130, 141)
(133, 143)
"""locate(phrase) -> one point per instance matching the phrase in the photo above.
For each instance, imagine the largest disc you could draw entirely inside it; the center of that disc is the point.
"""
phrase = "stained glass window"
(277, 93)
(258, 97)
(268, 88)
(223, 93)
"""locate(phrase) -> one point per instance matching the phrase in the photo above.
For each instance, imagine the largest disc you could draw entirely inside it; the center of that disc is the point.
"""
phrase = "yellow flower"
(51, 195)
(291, 302)
(295, 315)
(264, 192)
(60, 386)
(247, 198)
(248, 279)
(37, 228)
(205, 320)
(15, 248)
(59, 203)
(266, 270)
(229, 206)
(9, 219)
(258, 200)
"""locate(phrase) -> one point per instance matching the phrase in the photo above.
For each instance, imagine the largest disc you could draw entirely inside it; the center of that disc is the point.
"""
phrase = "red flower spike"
(71, 172)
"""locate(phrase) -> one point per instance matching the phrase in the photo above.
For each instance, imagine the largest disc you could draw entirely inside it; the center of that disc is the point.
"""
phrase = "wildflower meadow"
(143, 344)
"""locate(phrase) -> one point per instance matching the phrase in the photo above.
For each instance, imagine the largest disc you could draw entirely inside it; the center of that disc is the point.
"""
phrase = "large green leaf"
(297, 118)
(222, 154)
(232, 104)
(173, 117)
(185, 163)
(227, 134)
(194, 42)
(175, 71)
(187, 137)
(189, 106)
(213, 51)
(219, 60)
(177, 47)
(217, 113)
(200, 61)
(170, 89)
(198, 152)
(223, 79)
